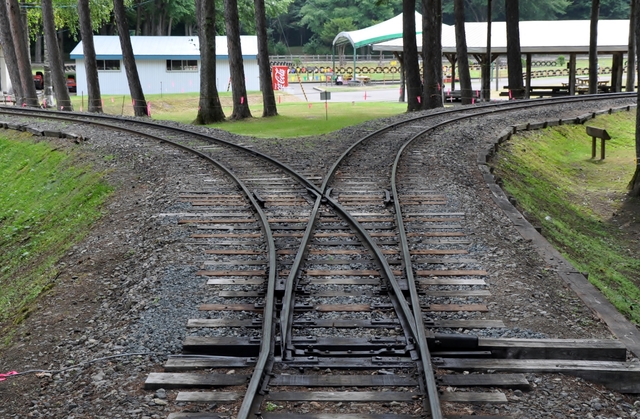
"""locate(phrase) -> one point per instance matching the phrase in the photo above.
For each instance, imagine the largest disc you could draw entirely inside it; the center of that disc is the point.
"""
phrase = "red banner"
(280, 77)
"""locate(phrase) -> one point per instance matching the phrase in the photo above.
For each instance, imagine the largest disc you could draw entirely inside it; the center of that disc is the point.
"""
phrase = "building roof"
(389, 29)
(542, 36)
(163, 47)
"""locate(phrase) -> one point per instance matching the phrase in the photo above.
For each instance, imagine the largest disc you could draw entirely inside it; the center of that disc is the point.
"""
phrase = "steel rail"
(266, 347)
(81, 118)
(266, 351)
(74, 117)
(520, 104)
(260, 369)
(268, 325)
(405, 311)
(415, 302)
(286, 313)
(417, 324)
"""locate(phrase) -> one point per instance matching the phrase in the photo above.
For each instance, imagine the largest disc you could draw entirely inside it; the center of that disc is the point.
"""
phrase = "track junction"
(358, 285)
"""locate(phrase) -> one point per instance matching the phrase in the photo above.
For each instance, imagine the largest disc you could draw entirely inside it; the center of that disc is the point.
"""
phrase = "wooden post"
(597, 133)
(572, 74)
(616, 72)
(528, 82)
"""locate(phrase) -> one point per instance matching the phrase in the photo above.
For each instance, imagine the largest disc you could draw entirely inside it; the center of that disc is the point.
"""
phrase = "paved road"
(379, 93)
(375, 93)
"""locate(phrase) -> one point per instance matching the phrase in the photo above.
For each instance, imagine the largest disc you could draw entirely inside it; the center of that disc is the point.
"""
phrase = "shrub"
(280, 48)
(315, 47)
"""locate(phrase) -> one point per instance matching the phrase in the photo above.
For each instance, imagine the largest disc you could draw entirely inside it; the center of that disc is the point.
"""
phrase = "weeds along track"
(354, 293)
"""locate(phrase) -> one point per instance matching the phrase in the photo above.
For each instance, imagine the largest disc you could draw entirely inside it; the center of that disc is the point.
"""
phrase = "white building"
(166, 64)
(5, 81)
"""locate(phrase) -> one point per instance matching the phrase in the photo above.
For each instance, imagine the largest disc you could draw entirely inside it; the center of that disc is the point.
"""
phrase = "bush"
(280, 49)
(561, 60)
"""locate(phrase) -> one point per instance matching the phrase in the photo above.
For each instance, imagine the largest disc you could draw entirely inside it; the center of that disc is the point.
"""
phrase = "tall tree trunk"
(60, 43)
(138, 18)
(130, 67)
(47, 83)
(514, 57)
(146, 27)
(209, 109)
(169, 25)
(38, 52)
(159, 28)
(461, 50)
(63, 101)
(432, 53)
(266, 86)
(486, 65)
(30, 96)
(236, 64)
(593, 47)
(90, 64)
(401, 96)
(410, 55)
(634, 185)
(161, 19)
(631, 57)
(10, 55)
(25, 25)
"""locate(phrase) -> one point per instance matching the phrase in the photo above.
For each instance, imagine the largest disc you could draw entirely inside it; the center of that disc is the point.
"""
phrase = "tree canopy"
(476, 10)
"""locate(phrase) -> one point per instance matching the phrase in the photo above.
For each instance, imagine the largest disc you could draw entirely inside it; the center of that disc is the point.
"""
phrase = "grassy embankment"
(581, 203)
(48, 201)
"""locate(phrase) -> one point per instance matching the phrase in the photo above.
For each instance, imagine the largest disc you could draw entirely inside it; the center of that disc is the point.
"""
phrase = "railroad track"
(324, 285)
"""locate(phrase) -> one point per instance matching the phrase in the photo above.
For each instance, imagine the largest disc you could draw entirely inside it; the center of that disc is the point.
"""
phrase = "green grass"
(299, 120)
(574, 199)
(47, 204)
(296, 119)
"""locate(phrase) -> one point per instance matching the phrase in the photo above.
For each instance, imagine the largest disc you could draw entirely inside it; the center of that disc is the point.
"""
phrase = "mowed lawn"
(295, 118)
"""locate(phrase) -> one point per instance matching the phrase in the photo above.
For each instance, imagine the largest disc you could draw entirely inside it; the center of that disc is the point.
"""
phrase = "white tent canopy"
(384, 31)
(548, 36)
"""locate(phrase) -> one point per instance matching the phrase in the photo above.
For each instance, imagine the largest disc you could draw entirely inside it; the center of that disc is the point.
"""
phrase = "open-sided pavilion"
(384, 31)
(562, 37)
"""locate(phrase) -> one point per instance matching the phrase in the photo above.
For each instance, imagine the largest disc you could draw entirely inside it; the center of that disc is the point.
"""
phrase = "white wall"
(154, 76)
(5, 81)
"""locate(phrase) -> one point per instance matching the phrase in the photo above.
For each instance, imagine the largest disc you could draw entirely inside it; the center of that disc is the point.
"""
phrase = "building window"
(108, 65)
(182, 65)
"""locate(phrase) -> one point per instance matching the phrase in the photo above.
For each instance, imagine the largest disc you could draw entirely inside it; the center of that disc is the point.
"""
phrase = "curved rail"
(75, 117)
(266, 350)
(520, 104)
(286, 314)
(417, 324)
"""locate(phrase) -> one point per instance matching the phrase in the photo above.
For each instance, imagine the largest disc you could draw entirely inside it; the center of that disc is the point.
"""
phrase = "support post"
(528, 80)
(616, 72)
(596, 133)
(333, 60)
(572, 73)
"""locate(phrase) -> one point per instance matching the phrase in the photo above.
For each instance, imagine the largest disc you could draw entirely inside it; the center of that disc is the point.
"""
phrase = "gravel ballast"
(129, 287)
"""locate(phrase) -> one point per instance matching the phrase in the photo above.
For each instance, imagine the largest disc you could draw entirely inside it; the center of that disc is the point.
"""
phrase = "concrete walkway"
(391, 92)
